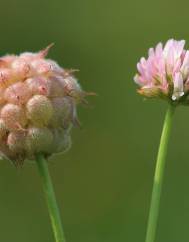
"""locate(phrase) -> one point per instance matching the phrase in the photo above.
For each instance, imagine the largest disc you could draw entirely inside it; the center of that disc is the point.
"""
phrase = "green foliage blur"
(103, 184)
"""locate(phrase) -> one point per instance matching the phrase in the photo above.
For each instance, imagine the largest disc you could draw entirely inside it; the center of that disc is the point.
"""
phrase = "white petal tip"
(181, 94)
(177, 95)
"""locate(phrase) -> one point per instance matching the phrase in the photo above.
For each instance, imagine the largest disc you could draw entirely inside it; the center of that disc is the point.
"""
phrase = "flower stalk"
(158, 177)
(50, 198)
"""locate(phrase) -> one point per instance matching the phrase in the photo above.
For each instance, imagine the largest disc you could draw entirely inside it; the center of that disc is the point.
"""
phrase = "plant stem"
(158, 177)
(51, 199)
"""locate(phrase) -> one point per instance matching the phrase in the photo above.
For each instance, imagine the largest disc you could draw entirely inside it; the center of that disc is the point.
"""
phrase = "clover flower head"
(165, 73)
(38, 101)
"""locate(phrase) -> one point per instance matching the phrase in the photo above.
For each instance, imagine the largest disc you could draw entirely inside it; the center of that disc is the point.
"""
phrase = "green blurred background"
(103, 183)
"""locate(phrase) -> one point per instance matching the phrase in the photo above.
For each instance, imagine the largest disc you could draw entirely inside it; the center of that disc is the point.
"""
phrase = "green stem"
(158, 177)
(51, 199)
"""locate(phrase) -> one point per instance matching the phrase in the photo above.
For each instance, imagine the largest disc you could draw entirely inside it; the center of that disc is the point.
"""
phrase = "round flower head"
(38, 102)
(165, 73)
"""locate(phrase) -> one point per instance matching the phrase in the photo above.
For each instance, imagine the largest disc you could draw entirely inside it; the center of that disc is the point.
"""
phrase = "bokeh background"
(103, 183)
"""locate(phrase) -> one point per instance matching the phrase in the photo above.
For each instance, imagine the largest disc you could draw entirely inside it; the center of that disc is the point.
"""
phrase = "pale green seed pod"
(38, 140)
(39, 110)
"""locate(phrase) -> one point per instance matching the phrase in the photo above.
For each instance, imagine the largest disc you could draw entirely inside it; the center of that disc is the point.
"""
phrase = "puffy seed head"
(38, 100)
(39, 110)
